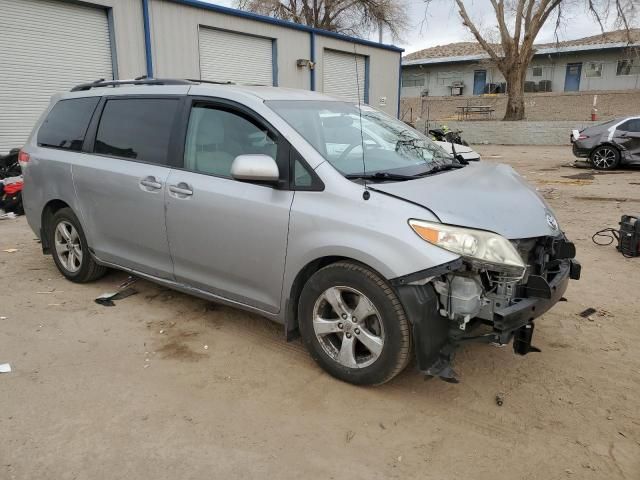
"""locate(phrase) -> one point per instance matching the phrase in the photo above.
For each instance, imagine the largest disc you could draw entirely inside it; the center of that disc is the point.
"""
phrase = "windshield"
(383, 146)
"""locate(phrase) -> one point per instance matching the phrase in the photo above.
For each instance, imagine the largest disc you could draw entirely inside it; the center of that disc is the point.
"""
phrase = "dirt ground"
(166, 386)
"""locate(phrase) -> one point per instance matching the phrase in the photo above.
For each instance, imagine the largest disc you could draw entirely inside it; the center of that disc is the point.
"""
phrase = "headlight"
(477, 246)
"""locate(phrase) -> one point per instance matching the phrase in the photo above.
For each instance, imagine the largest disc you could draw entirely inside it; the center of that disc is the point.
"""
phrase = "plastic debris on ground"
(124, 291)
(5, 368)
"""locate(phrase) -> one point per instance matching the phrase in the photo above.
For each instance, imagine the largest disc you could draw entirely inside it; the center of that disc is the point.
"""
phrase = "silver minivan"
(343, 224)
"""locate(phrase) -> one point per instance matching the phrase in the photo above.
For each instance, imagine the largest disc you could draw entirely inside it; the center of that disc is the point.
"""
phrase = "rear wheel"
(353, 324)
(605, 157)
(70, 250)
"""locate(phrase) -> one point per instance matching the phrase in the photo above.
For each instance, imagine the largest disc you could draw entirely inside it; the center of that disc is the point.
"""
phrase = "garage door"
(235, 57)
(344, 75)
(46, 46)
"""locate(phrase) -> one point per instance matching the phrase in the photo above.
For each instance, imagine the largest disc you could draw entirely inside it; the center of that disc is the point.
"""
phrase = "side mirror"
(255, 168)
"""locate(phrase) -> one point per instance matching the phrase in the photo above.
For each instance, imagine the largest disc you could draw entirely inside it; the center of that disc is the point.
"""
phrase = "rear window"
(67, 122)
(137, 128)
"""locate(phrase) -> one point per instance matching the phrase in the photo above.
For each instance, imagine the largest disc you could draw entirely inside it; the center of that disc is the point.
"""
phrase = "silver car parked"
(331, 218)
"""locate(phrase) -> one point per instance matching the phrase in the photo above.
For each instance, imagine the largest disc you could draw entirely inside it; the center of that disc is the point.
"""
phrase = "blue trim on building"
(274, 61)
(366, 79)
(399, 83)
(112, 44)
(282, 23)
(147, 37)
(312, 58)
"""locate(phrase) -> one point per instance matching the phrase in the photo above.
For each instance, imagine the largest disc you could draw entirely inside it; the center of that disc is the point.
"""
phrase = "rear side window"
(632, 125)
(67, 123)
(137, 128)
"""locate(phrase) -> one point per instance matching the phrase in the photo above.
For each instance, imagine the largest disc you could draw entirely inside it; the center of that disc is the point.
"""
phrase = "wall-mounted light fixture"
(305, 63)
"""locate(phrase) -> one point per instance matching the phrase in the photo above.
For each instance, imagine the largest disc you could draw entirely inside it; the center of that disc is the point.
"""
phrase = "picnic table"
(467, 111)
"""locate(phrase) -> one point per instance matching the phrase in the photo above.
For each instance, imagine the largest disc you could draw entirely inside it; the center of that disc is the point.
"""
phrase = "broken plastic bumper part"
(524, 310)
(460, 304)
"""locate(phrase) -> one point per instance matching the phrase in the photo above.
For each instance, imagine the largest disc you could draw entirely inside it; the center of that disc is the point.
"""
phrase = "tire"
(379, 344)
(605, 157)
(70, 252)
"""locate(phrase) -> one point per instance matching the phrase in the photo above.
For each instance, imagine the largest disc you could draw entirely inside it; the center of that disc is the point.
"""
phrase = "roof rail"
(135, 81)
(194, 80)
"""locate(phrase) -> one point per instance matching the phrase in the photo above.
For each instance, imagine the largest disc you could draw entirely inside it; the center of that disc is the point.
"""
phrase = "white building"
(602, 62)
(47, 46)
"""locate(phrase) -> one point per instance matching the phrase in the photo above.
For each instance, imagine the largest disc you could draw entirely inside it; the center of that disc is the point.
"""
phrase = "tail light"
(23, 157)
(583, 137)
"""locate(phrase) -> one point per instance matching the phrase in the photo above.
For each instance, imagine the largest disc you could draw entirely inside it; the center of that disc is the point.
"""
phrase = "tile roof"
(464, 49)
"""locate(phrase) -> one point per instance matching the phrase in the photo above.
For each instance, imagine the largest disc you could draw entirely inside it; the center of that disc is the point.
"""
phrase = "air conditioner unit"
(456, 88)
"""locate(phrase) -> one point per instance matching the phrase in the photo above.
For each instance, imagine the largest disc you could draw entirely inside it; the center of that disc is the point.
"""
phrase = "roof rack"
(210, 81)
(136, 81)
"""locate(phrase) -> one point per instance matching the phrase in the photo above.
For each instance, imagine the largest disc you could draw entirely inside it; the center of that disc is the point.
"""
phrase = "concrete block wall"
(555, 132)
(538, 106)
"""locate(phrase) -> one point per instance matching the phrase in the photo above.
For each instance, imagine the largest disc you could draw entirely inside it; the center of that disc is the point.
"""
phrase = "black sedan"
(609, 144)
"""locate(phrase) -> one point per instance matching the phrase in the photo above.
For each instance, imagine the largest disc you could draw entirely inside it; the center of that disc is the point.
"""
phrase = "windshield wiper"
(443, 168)
(380, 176)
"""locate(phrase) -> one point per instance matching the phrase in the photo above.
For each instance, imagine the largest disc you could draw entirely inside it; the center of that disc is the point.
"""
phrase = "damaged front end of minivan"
(491, 294)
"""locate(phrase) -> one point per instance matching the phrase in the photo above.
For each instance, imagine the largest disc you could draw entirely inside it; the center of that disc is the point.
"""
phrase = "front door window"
(215, 137)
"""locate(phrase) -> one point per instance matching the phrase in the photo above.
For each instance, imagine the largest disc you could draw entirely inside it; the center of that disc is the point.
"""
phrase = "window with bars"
(628, 67)
(594, 70)
(413, 80)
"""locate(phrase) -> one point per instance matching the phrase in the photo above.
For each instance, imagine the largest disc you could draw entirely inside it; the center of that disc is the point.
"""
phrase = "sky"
(442, 23)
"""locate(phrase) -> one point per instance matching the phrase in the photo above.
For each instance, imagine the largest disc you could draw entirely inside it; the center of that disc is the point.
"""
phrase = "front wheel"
(605, 157)
(353, 324)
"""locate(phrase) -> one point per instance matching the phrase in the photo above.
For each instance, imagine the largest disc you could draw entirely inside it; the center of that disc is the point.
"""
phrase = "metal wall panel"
(384, 66)
(344, 75)
(46, 46)
(174, 38)
(235, 57)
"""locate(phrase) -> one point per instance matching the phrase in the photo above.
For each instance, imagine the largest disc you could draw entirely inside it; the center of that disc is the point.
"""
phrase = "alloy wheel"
(604, 158)
(348, 326)
(68, 246)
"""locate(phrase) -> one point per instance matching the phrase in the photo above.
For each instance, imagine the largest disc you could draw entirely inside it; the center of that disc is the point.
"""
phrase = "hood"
(486, 196)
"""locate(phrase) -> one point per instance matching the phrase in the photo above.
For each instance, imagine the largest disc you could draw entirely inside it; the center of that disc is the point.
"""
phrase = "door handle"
(182, 189)
(151, 182)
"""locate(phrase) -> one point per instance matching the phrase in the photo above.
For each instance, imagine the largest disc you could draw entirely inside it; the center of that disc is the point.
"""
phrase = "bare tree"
(519, 23)
(351, 17)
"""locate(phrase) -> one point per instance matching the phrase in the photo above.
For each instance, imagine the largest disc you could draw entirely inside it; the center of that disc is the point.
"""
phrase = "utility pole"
(379, 31)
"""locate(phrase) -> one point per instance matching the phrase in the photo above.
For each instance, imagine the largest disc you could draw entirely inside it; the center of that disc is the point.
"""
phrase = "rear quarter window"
(632, 125)
(67, 122)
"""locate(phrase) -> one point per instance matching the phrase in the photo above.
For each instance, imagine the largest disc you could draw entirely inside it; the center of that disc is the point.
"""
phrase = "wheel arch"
(606, 143)
(301, 278)
(48, 212)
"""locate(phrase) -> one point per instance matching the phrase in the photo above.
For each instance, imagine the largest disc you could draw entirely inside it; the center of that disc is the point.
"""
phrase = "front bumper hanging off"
(436, 339)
